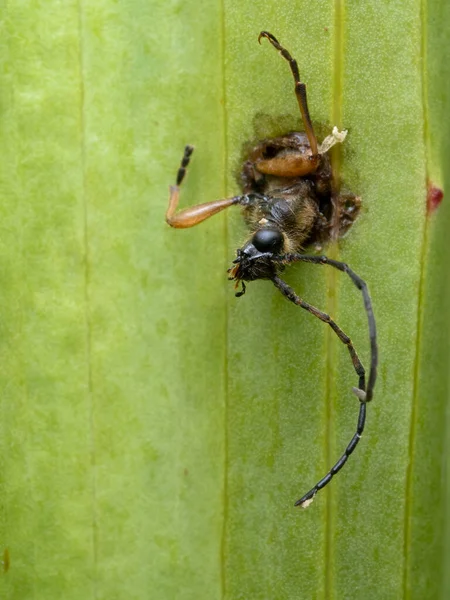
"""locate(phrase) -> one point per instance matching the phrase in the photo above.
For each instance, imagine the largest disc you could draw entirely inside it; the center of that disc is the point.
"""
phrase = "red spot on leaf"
(434, 197)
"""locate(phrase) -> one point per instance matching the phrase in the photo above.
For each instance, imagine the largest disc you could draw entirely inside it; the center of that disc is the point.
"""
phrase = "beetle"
(289, 202)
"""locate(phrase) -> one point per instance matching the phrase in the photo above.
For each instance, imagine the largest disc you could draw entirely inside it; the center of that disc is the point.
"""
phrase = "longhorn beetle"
(288, 202)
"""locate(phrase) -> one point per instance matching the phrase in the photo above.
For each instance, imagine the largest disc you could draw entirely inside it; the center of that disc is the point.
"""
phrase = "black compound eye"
(268, 240)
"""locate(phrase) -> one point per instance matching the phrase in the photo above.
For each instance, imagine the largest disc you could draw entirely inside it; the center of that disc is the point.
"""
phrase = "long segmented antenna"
(364, 395)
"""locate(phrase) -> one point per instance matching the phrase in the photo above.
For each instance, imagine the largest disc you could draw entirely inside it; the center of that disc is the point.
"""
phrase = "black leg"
(292, 296)
(362, 286)
(363, 395)
(308, 497)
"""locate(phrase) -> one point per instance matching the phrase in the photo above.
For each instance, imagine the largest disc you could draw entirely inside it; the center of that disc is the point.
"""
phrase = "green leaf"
(155, 430)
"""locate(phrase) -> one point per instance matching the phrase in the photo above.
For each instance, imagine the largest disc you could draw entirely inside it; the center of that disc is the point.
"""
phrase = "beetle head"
(255, 259)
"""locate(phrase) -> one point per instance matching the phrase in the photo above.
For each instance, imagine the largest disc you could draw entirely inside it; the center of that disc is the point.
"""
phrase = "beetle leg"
(292, 296)
(188, 217)
(362, 286)
(300, 90)
(363, 393)
(306, 500)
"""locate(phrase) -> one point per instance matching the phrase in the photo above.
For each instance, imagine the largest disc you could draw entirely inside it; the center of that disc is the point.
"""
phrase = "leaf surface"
(155, 430)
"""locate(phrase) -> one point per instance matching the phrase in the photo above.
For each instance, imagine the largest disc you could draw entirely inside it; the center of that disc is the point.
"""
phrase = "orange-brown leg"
(300, 92)
(193, 215)
(290, 165)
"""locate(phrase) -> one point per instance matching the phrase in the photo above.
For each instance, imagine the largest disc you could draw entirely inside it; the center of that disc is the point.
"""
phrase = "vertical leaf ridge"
(420, 317)
(332, 299)
(87, 317)
(223, 548)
